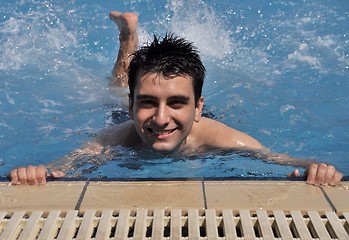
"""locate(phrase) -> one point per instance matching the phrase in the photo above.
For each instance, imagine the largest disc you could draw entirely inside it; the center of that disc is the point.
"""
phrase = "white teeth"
(162, 132)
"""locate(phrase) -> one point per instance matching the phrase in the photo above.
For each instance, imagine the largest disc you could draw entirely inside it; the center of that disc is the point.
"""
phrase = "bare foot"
(127, 24)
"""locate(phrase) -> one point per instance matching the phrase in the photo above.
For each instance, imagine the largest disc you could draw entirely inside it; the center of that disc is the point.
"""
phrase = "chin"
(164, 149)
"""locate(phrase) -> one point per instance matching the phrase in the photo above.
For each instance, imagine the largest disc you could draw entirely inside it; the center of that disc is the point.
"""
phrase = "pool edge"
(176, 193)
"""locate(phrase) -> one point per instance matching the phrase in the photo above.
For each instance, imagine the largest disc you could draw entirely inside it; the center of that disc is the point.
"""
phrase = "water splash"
(35, 35)
(198, 22)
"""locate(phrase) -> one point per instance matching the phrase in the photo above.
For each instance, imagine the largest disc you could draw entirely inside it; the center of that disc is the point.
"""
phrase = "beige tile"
(267, 195)
(339, 196)
(54, 195)
(132, 195)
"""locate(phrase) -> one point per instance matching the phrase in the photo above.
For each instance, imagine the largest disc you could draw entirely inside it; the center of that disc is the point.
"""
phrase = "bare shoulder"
(214, 134)
(122, 134)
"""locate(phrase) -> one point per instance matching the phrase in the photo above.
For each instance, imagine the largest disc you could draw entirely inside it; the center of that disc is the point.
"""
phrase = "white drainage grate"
(173, 224)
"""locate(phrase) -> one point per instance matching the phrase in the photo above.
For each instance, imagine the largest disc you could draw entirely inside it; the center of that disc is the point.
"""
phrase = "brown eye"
(147, 103)
(176, 104)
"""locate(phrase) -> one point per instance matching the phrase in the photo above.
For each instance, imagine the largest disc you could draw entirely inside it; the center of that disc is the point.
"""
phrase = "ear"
(130, 107)
(198, 109)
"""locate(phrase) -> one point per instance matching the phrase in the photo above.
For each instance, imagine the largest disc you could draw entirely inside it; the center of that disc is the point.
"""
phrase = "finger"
(337, 177)
(57, 174)
(22, 176)
(295, 173)
(321, 174)
(311, 173)
(14, 177)
(31, 175)
(329, 174)
(41, 174)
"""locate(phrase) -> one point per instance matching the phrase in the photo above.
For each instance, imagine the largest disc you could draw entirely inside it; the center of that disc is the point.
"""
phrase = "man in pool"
(165, 80)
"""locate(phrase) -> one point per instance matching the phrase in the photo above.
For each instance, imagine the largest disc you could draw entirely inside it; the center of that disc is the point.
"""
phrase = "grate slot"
(336, 226)
(173, 224)
(51, 226)
(247, 229)
(158, 229)
(106, 224)
(12, 228)
(32, 226)
(69, 227)
(193, 224)
(229, 225)
(123, 226)
(264, 227)
(282, 225)
(319, 227)
(346, 221)
(300, 225)
(185, 225)
(176, 224)
(3, 221)
(87, 226)
(211, 224)
(140, 228)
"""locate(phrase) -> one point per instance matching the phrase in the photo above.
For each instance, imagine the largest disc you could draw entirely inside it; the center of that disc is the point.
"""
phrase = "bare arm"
(280, 158)
(212, 134)
(36, 175)
(221, 136)
(315, 173)
(78, 157)
(94, 152)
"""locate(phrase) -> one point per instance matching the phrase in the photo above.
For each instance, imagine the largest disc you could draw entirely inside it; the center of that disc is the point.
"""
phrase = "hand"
(32, 175)
(320, 174)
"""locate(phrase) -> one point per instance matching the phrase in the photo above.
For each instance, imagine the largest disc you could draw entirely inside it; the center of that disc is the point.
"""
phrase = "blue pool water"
(277, 70)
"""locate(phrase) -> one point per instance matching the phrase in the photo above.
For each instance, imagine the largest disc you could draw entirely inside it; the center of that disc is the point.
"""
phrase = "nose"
(162, 115)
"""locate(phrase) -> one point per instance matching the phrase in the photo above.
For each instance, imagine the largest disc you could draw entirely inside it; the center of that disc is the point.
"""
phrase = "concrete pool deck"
(184, 195)
(200, 194)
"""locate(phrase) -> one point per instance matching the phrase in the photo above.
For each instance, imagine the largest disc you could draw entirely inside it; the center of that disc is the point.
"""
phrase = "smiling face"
(164, 110)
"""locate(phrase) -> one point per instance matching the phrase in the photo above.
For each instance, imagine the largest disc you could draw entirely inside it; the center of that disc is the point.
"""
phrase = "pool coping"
(183, 193)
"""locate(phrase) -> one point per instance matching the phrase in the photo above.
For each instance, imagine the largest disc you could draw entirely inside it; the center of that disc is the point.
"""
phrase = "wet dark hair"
(171, 56)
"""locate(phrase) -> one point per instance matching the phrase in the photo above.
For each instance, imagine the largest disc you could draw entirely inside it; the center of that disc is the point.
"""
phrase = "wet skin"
(164, 111)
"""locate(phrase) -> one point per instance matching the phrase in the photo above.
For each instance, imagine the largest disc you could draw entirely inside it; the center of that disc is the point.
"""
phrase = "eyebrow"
(140, 97)
(176, 97)
(180, 98)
